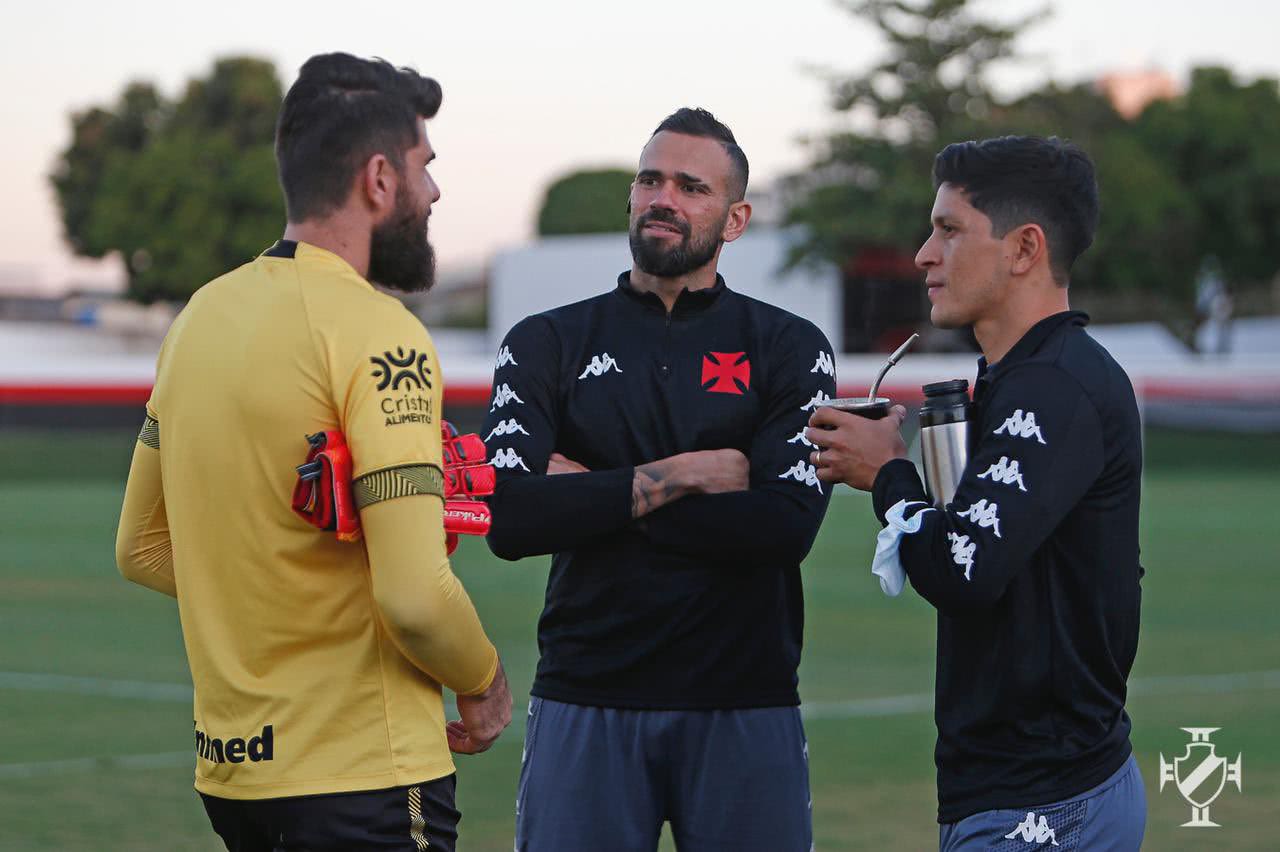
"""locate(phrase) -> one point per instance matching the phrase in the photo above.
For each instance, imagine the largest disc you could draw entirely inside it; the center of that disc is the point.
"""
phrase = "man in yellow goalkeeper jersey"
(318, 663)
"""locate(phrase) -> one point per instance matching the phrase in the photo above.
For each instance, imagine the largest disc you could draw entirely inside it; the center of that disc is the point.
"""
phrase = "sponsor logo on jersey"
(502, 395)
(1019, 425)
(803, 473)
(818, 399)
(962, 551)
(506, 427)
(401, 369)
(1005, 472)
(238, 749)
(600, 364)
(801, 439)
(984, 515)
(504, 358)
(409, 408)
(825, 364)
(508, 458)
(1031, 831)
(726, 372)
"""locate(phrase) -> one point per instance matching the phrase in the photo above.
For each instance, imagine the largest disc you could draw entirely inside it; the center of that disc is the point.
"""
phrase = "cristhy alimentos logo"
(1200, 776)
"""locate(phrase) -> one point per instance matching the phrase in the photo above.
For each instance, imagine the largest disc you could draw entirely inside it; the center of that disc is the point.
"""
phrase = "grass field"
(89, 763)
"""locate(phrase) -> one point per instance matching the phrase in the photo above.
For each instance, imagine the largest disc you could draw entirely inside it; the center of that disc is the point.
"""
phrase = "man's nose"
(926, 257)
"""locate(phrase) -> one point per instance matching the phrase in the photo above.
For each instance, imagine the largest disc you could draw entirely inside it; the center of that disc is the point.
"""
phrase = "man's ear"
(736, 224)
(377, 185)
(1027, 248)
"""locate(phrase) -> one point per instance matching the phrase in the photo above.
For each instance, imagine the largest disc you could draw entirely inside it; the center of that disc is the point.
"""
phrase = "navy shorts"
(402, 819)
(600, 778)
(1111, 817)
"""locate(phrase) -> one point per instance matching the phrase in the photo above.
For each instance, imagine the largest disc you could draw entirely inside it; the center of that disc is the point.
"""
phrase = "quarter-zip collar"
(1029, 343)
(688, 302)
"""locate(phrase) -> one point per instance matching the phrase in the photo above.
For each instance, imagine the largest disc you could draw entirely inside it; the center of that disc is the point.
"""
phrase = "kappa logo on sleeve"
(504, 358)
(962, 551)
(1005, 472)
(818, 399)
(1019, 425)
(507, 457)
(801, 439)
(502, 395)
(400, 369)
(984, 515)
(506, 427)
(824, 364)
(805, 474)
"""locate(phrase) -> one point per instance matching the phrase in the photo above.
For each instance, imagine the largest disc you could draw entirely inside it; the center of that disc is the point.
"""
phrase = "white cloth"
(886, 565)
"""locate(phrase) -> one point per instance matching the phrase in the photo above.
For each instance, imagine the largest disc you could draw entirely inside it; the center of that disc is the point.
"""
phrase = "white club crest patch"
(984, 515)
(962, 551)
(818, 399)
(824, 364)
(1005, 472)
(1019, 425)
(502, 395)
(504, 358)
(506, 427)
(600, 364)
(508, 458)
(805, 474)
(801, 439)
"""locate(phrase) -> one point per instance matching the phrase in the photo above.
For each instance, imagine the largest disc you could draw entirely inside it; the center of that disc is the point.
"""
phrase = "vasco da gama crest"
(400, 369)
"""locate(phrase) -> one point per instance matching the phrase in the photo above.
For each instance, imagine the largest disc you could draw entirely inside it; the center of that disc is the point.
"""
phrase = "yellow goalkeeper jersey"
(303, 682)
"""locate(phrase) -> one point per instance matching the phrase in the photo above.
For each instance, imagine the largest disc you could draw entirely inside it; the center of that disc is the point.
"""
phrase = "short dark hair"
(1014, 180)
(341, 111)
(696, 121)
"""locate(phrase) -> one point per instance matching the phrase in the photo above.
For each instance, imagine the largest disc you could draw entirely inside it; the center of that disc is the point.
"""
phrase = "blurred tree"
(871, 188)
(586, 202)
(185, 190)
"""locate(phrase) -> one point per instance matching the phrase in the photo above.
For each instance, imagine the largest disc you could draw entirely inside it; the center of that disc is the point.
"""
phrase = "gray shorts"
(1111, 817)
(600, 778)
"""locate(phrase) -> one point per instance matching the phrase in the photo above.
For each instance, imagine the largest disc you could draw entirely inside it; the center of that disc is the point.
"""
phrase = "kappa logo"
(1200, 775)
(394, 370)
(1019, 425)
(962, 551)
(508, 458)
(824, 364)
(984, 515)
(503, 395)
(801, 439)
(506, 427)
(1005, 472)
(818, 399)
(1031, 831)
(504, 358)
(600, 364)
(805, 474)
(729, 371)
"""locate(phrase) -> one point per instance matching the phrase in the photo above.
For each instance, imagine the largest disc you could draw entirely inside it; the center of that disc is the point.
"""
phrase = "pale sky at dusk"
(533, 90)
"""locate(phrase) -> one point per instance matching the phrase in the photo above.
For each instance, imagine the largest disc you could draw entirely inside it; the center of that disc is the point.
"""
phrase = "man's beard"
(651, 254)
(399, 255)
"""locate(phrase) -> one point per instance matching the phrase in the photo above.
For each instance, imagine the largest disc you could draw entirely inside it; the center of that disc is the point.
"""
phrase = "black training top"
(698, 604)
(1033, 568)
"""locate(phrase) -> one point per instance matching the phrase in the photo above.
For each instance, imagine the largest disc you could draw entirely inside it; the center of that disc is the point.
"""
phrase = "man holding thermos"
(1032, 561)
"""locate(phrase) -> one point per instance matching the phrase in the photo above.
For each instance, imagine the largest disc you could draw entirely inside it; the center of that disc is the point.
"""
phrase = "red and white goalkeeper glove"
(467, 476)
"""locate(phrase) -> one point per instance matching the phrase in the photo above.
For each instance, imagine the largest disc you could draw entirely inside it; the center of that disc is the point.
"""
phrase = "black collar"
(1030, 342)
(689, 301)
(282, 248)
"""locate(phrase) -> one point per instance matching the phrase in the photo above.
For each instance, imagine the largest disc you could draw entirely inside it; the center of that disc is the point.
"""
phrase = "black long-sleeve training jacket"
(1033, 568)
(698, 604)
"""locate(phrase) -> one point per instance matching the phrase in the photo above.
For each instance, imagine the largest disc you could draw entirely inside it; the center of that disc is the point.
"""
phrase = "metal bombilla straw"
(893, 359)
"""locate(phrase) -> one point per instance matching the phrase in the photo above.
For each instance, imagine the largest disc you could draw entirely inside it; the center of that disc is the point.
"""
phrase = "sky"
(533, 90)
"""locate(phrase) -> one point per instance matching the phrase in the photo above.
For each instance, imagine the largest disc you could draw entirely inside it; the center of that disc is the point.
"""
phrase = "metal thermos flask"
(944, 437)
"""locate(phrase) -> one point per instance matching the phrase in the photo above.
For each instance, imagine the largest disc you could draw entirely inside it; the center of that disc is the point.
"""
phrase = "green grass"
(1209, 607)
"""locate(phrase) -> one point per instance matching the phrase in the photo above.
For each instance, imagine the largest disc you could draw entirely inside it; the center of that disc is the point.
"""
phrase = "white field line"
(893, 705)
